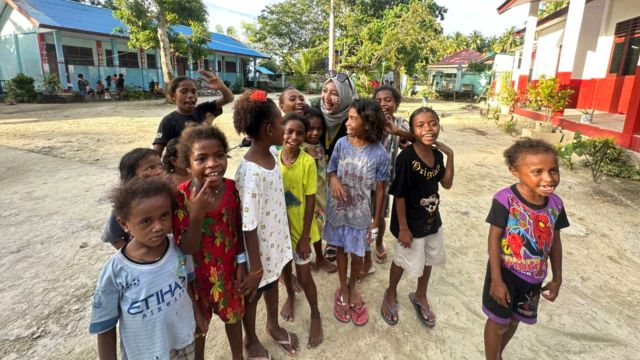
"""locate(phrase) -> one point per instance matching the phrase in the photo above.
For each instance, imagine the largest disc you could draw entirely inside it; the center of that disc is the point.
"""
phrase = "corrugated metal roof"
(463, 57)
(74, 16)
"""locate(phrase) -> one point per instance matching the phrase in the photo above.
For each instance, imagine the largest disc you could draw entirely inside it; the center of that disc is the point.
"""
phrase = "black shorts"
(268, 286)
(524, 299)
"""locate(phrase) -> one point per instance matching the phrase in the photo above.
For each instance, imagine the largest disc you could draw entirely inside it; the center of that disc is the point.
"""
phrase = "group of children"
(193, 243)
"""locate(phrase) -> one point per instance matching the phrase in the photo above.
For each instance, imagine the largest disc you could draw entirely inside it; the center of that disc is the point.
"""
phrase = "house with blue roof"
(39, 37)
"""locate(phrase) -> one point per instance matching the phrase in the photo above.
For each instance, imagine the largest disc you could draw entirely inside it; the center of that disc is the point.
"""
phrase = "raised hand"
(212, 79)
(201, 201)
(444, 148)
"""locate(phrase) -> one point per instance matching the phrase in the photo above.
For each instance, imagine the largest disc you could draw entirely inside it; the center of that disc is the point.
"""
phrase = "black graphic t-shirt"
(172, 125)
(417, 183)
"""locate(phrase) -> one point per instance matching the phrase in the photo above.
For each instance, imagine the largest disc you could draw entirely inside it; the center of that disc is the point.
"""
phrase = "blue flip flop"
(419, 308)
(392, 310)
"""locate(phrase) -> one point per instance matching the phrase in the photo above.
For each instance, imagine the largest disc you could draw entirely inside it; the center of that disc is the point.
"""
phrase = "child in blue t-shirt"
(415, 216)
(358, 165)
(144, 286)
(525, 221)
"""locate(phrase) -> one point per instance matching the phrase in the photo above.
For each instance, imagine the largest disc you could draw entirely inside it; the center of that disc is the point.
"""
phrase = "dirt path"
(58, 161)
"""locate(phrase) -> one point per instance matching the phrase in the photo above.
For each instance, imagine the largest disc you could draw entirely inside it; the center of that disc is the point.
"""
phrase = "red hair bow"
(259, 96)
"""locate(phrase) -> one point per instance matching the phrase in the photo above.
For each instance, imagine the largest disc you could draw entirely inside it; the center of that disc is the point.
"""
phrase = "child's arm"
(377, 215)
(304, 247)
(241, 271)
(202, 325)
(107, 345)
(498, 289)
(252, 280)
(447, 178)
(551, 290)
(391, 128)
(405, 237)
(215, 83)
(199, 202)
(337, 191)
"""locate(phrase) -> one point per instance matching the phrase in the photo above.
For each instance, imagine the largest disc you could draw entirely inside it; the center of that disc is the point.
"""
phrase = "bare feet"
(287, 311)
(315, 333)
(256, 350)
(326, 266)
(287, 341)
(294, 282)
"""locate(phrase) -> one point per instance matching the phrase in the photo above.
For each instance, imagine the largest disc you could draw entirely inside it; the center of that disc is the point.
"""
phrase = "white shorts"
(300, 261)
(424, 251)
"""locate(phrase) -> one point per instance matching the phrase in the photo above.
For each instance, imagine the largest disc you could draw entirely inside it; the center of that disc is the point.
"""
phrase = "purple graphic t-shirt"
(528, 232)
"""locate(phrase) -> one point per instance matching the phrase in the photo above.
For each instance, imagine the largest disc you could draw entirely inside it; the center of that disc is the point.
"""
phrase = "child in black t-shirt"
(184, 93)
(415, 218)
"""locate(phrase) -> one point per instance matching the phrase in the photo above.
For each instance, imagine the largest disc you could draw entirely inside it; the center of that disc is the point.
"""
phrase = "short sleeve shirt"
(300, 179)
(358, 169)
(528, 232)
(172, 125)
(113, 231)
(264, 209)
(417, 183)
(149, 300)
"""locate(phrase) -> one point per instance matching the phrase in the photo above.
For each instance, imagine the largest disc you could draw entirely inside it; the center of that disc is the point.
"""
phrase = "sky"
(463, 15)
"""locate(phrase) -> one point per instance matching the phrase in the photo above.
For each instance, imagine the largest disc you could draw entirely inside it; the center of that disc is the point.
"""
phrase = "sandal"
(359, 314)
(341, 309)
(286, 345)
(330, 253)
(381, 257)
(391, 310)
(430, 320)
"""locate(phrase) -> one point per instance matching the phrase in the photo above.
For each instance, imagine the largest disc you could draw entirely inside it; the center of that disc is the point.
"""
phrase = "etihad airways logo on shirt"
(152, 304)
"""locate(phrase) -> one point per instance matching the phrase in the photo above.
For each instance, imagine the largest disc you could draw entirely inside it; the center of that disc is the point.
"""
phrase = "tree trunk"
(165, 53)
(396, 77)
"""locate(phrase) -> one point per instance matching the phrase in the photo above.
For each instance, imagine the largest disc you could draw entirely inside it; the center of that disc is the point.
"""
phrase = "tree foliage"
(286, 28)
(550, 7)
(150, 24)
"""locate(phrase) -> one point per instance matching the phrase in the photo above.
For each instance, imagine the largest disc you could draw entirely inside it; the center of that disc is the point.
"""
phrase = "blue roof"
(264, 70)
(75, 16)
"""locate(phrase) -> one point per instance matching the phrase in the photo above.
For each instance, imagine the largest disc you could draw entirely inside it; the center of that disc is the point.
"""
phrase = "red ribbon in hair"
(259, 96)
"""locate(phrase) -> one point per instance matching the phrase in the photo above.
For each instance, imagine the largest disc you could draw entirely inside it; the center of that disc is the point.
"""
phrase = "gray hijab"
(346, 94)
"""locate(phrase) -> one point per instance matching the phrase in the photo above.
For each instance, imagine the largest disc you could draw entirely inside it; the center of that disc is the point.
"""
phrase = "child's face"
(314, 132)
(426, 128)
(330, 97)
(539, 176)
(186, 96)
(294, 134)
(293, 100)
(149, 221)
(275, 130)
(149, 167)
(208, 161)
(386, 101)
(355, 124)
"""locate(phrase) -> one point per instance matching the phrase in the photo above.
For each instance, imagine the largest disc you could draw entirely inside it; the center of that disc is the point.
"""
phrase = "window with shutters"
(76, 55)
(626, 48)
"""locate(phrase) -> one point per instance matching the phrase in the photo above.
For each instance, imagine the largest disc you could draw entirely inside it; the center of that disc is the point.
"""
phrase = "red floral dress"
(215, 287)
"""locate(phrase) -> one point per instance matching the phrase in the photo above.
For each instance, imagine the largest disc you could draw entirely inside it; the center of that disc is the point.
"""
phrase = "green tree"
(219, 29)
(476, 41)
(150, 23)
(549, 7)
(284, 29)
(507, 41)
(231, 31)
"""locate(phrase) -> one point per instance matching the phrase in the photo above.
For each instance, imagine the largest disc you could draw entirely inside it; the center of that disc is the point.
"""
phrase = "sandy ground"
(58, 161)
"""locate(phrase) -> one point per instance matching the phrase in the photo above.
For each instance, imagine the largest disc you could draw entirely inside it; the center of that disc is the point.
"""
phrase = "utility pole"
(332, 35)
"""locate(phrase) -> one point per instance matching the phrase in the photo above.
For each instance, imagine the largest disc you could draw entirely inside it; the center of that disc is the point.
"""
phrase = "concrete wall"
(547, 51)
(13, 22)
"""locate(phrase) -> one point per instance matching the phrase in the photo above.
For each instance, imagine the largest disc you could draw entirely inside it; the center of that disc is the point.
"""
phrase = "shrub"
(546, 95)
(132, 93)
(21, 88)
(597, 151)
(51, 84)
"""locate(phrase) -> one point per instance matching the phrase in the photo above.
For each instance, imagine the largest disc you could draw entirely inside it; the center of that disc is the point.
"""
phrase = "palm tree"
(508, 41)
(476, 41)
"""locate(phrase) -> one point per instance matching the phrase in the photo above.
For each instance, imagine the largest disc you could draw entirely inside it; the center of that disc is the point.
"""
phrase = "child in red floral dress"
(207, 224)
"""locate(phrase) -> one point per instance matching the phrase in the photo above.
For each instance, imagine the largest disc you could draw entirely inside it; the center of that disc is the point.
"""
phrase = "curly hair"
(372, 117)
(130, 161)
(312, 112)
(420, 110)
(290, 116)
(394, 93)
(123, 196)
(193, 134)
(173, 86)
(248, 115)
(170, 152)
(527, 146)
